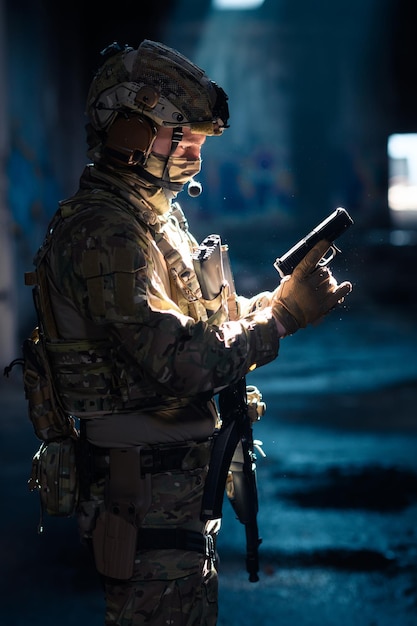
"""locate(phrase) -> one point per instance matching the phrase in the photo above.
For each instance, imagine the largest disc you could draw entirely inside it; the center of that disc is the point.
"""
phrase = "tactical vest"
(90, 376)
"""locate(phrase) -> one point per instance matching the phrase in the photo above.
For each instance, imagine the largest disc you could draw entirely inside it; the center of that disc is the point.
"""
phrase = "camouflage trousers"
(187, 601)
(168, 587)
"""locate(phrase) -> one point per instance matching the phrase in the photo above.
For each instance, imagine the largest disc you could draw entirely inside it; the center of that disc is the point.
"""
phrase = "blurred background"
(316, 92)
(323, 103)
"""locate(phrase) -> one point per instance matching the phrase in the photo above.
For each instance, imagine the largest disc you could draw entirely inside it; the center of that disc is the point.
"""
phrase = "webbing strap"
(38, 280)
(157, 460)
(172, 538)
(95, 281)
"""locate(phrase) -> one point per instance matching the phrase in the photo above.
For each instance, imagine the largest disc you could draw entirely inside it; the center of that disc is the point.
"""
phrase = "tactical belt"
(156, 460)
(175, 538)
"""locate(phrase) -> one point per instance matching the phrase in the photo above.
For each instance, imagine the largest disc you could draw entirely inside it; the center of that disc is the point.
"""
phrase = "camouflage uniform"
(137, 361)
(127, 346)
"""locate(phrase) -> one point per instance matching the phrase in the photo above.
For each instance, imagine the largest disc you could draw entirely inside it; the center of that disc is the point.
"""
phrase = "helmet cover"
(159, 83)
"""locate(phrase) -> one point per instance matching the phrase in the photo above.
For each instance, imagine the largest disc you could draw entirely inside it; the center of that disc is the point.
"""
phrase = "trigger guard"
(326, 259)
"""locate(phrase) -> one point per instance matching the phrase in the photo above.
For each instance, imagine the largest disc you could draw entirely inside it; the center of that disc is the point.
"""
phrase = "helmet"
(137, 91)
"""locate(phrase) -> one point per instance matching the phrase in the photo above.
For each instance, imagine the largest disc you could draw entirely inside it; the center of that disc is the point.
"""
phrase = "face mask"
(179, 170)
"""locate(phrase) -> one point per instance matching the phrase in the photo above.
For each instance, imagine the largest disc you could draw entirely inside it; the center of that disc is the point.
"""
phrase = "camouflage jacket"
(128, 336)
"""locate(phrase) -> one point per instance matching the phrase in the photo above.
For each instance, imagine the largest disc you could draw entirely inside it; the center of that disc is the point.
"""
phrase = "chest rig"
(184, 284)
(89, 375)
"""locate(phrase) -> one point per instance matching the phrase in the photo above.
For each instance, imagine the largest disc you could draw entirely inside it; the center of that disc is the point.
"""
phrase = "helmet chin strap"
(177, 135)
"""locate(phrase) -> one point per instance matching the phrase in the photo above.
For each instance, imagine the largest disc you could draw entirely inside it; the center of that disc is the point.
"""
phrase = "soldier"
(134, 355)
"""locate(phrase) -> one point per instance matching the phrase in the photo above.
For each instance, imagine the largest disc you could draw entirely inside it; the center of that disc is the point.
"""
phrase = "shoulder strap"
(37, 279)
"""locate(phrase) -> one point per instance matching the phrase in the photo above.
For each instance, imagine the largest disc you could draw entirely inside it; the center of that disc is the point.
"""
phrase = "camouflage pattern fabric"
(111, 270)
(175, 585)
(132, 341)
(49, 421)
(54, 474)
(183, 91)
(187, 601)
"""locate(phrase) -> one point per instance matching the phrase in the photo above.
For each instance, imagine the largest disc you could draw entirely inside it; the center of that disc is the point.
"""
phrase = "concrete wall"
(8, 289)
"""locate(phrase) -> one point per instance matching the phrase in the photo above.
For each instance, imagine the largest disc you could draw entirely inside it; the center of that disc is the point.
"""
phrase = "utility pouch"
(48, 419)
(129, 496)
(54, 474)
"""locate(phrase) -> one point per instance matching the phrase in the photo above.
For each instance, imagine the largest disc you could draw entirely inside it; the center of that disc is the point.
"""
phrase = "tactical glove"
(309, 293)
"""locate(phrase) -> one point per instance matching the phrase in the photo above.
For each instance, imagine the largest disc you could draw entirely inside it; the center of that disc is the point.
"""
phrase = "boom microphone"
(194, 188)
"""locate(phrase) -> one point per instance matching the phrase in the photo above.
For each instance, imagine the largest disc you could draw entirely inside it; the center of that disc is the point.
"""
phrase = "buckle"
(209, 547)
(150, 461)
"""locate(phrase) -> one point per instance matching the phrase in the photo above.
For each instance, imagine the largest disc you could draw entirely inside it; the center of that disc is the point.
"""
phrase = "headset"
(129, 139)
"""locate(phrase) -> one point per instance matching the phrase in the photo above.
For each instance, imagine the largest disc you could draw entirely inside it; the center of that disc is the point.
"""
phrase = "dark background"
(315, 90)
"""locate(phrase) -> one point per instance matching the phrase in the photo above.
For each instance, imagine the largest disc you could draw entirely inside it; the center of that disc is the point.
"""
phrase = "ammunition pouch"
(50, 422)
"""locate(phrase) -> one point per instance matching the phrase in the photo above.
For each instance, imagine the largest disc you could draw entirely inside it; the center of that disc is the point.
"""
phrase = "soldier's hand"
(309, 293)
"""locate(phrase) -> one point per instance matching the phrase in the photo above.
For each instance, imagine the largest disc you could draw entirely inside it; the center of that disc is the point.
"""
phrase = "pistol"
(329, 229)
